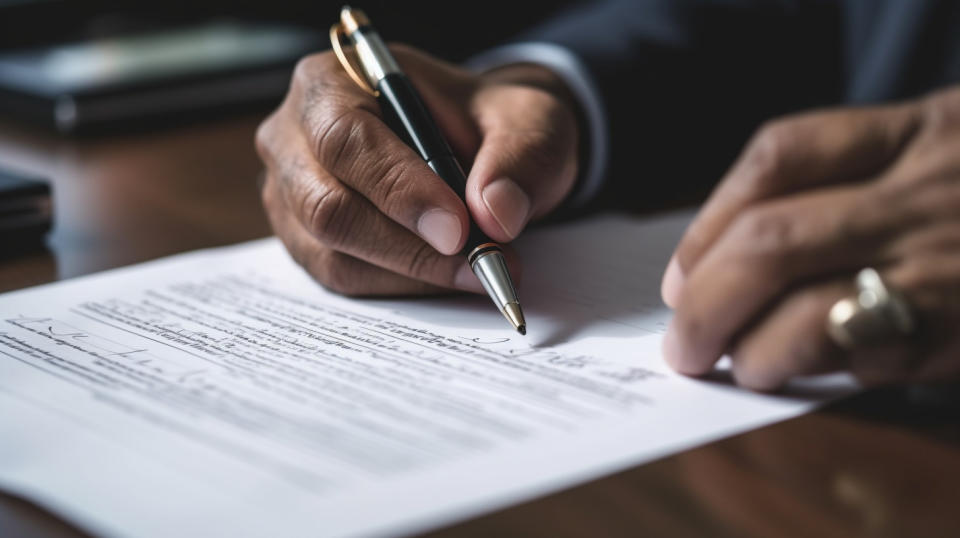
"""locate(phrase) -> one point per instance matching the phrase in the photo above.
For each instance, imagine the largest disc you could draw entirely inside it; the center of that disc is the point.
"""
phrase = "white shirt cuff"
(567, 66)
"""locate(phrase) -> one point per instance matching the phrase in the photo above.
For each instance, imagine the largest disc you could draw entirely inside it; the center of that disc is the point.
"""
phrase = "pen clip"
(336, 41)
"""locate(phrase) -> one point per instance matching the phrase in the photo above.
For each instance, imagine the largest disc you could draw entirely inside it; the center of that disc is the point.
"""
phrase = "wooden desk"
(880, 464)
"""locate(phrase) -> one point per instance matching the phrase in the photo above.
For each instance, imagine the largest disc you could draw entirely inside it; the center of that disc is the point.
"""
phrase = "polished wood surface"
(883, 463)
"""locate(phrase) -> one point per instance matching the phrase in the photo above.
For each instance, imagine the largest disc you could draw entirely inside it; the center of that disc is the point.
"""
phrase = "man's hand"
(365, 215)
(813, 199)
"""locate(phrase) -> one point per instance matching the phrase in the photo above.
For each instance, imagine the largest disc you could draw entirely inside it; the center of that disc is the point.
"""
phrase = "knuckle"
(389, 184)
(346, 145)
(339, 135)
(264, 137)
(764, 231)
(328, 214)
(540, 146)
(770, 148)
(310, 68)
(533, 152)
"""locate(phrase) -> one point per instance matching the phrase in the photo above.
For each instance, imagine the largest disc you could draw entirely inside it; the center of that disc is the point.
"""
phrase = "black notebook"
(140, 80)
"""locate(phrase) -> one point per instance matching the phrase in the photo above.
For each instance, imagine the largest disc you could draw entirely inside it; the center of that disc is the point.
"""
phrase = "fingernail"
(466, 280)
(672, 283)
(508, 204)
(441, 229)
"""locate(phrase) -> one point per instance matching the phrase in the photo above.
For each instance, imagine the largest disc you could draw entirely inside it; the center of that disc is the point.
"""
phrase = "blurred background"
(127, 127)
(88, 66)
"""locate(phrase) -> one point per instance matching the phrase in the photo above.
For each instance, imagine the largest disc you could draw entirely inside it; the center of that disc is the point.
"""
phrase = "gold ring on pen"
(336, 41)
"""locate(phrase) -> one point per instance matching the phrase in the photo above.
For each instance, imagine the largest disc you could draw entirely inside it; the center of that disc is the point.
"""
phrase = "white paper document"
(224, 393)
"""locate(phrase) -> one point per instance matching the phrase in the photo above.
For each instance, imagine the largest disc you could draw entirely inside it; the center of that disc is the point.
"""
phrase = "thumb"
(527, 161)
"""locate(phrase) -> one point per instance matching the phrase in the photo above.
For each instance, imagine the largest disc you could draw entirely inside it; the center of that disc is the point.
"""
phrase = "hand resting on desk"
(813, 199)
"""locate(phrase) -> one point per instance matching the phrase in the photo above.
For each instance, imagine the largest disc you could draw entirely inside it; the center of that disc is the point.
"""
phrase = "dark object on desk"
(25, 213)
(138, 80)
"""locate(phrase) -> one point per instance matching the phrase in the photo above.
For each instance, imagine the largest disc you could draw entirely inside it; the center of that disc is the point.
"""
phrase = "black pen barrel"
(413, 118)
(404, 111)
(407, 115)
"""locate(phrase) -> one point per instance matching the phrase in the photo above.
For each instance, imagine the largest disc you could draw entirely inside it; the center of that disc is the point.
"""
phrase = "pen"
(410, 119)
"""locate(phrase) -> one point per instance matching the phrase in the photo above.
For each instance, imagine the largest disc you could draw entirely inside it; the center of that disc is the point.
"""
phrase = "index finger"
(349, 139)
(792, 155)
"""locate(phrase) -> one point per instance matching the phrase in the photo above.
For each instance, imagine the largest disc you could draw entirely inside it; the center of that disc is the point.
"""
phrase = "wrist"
(535, 76)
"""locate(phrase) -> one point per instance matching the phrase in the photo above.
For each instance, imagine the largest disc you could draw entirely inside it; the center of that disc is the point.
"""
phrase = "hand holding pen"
(365, 214)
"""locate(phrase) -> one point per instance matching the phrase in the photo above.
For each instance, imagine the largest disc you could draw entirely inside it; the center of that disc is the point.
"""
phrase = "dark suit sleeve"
(684, 82)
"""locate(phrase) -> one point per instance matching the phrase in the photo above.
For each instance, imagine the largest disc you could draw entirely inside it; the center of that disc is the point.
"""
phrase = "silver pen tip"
(514, 315)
